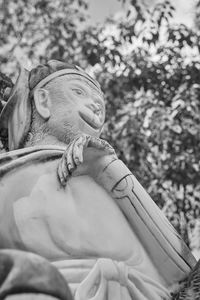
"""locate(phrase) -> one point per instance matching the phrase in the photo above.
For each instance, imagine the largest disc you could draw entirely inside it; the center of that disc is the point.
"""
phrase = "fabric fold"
(109, 279)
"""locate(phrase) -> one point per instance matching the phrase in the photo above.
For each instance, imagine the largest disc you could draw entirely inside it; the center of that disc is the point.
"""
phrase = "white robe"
(103, 248)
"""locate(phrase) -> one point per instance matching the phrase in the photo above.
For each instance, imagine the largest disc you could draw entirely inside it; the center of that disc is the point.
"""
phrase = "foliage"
(149, 70)
(40, 29)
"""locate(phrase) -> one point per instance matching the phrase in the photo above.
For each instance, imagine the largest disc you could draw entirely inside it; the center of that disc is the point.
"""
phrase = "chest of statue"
(77, 223)
(80, 220)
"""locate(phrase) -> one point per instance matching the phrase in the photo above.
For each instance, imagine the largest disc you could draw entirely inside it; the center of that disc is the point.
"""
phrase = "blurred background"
(146, 56)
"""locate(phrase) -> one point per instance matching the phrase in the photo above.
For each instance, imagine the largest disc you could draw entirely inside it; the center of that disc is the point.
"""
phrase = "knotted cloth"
(104, 278)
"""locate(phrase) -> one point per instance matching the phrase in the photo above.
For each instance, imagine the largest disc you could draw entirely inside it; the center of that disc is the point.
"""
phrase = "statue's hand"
(73, 155)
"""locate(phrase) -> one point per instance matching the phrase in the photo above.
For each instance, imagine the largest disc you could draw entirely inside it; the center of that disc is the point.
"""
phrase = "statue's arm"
(166, 248)
(96, 158)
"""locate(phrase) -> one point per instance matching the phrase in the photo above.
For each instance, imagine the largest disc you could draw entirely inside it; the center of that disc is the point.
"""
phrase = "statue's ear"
(42, 103)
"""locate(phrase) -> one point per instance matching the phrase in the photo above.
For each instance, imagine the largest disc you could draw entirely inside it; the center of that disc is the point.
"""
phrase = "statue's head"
(55, 99)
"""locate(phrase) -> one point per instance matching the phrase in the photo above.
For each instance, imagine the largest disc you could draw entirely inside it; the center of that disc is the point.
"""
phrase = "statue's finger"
(82, 143)
(109, 149)
(101, 145)
(61, 174)
(69, 159)
(96, 143)
(85, 139)
(64, 169)
(78, 153)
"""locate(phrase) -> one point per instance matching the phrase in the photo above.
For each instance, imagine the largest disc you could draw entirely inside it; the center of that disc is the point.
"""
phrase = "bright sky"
(99, 9)
(184, 11)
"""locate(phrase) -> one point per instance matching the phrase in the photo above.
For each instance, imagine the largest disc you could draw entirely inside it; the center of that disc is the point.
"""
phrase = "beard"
(63, 130)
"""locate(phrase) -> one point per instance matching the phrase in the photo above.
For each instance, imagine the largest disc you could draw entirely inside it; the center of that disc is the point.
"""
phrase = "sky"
(100, 9)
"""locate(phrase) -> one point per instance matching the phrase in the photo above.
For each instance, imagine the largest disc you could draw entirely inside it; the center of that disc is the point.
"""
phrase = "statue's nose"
(96, 103)
(95, 107)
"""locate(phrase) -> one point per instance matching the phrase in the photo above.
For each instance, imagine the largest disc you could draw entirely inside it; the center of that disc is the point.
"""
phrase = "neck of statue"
(40, 134)
(41, 139)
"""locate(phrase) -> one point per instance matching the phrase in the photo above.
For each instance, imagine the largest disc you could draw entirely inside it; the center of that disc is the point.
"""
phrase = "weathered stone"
(67, 197)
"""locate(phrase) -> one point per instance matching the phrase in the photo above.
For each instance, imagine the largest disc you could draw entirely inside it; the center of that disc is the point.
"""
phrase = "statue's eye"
(78, 91)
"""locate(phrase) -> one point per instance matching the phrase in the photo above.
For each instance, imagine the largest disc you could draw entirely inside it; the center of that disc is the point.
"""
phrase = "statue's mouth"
(91, 119)
(92, 115)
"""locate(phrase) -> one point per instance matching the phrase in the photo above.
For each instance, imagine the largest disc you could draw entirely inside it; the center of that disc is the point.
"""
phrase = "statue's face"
(80, 109)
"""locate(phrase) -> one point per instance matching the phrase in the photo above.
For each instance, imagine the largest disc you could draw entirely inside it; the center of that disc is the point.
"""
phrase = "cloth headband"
(59, 73)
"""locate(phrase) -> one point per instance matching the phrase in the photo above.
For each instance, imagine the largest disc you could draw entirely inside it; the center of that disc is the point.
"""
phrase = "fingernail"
(71, 168)
(77, 161)
(62, 181)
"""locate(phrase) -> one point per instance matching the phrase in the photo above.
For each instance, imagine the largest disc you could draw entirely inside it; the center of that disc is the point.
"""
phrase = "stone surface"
(30, 296)
(25, 273)
(67, 197)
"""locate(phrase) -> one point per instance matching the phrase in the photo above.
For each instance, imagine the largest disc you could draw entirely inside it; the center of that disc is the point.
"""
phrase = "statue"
(67, 197)
(28, 276)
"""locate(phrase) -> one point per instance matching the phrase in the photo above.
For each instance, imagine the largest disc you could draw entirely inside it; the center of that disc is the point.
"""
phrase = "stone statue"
(28, 276)
(67, 197)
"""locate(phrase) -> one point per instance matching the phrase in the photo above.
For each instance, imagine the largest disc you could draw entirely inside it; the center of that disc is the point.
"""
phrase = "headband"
(63, 72)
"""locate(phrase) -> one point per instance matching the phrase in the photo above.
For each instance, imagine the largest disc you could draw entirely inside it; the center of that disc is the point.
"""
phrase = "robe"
(102, 231)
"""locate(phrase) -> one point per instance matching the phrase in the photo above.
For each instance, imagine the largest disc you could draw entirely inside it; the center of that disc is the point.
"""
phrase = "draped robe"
(102, 231)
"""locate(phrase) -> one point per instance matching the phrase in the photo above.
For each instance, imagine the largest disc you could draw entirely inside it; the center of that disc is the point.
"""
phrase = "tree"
(40, 29)
(148, 68)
